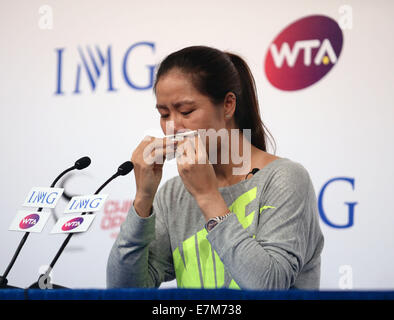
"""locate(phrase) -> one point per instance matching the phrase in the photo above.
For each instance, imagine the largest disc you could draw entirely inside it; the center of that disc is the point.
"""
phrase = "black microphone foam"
(82, 163)
(125, 168)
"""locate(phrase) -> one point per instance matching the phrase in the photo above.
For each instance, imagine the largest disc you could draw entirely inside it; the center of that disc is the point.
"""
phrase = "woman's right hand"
(148, 159)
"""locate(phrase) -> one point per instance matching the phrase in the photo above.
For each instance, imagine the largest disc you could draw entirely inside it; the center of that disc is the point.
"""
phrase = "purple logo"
(303, 53)
(72, 224)
(29, 221)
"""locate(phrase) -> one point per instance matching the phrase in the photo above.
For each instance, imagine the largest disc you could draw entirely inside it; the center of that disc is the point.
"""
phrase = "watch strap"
(213, 222)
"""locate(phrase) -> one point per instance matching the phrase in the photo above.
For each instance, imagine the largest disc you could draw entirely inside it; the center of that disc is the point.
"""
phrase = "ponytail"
(247, 113)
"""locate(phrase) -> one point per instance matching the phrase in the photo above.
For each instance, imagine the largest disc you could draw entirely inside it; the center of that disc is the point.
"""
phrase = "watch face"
(211, 224)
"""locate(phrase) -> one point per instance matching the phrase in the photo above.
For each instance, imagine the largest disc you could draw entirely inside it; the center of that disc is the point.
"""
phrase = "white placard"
(87, 203)
(43, 197)
(73, 223)
(29, 221)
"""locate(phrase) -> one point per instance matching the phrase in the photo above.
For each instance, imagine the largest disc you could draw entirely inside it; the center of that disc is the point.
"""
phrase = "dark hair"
(214, 73)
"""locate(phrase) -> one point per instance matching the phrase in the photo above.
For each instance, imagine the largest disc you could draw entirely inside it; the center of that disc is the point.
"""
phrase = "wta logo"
(72, 224)
(303, 53)
(29, 221)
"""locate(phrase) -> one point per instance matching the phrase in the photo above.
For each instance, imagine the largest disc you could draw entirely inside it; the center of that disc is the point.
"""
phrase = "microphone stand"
(44, 280)
(79, 164)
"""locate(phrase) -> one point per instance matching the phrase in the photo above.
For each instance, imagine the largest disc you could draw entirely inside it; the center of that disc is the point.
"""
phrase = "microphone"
(79, 165)
(253, 172)
(124, 169)
(44, 280)
(82, 163)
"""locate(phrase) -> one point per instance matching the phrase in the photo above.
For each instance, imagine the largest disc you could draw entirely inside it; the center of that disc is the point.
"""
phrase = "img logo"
(72, 224)
(93, 65)
(303, 53)
(29, 221)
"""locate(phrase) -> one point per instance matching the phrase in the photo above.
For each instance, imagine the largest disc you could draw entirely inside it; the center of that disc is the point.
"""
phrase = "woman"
(209, 227)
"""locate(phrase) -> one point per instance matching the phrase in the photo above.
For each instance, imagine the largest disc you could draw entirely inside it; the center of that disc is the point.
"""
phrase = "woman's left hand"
(199, 177)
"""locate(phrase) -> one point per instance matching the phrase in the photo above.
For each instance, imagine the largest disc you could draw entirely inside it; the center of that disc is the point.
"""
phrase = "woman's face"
(183, 108)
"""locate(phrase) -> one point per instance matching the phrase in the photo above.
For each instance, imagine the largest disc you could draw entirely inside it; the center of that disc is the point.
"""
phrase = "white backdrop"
(341, 126)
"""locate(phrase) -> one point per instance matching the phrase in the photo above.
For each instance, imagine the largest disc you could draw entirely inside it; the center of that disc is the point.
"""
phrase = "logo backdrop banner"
(77, 80)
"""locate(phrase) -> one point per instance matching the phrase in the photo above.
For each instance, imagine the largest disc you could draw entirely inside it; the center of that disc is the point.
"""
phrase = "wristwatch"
(213, 222)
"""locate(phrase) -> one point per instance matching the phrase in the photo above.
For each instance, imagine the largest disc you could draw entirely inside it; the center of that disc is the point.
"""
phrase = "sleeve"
(274, 256)
(141, 255)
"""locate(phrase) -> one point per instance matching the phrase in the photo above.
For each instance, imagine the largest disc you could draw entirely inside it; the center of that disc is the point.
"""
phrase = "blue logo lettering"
(40, 197)
(51, 200)
(93, 62)
(151, 68)
(350, 205)
(97, 204)
(83, 203)
(98, 63)
(59, 71)
(92, 203)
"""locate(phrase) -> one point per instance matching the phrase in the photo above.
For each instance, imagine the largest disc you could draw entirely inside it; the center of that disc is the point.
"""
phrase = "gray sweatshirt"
(271, 240)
